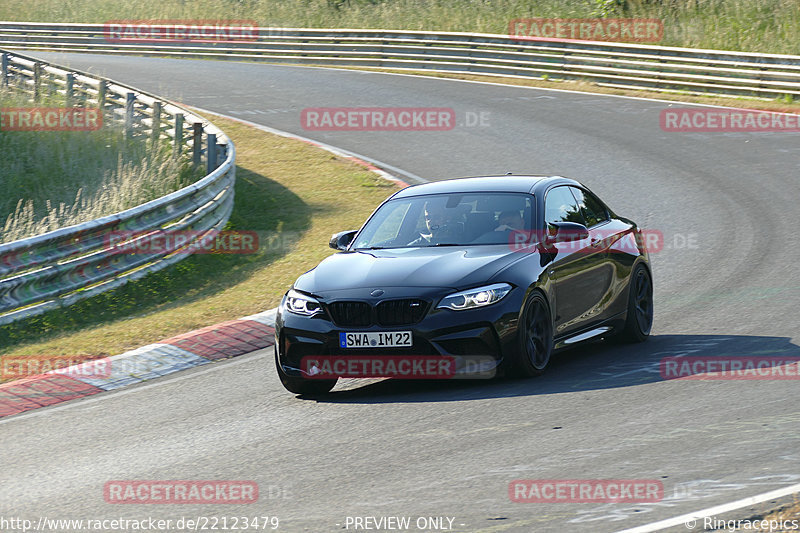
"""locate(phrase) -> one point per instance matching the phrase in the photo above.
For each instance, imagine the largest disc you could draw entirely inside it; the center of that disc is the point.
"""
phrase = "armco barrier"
(63, 266)
(637, 66)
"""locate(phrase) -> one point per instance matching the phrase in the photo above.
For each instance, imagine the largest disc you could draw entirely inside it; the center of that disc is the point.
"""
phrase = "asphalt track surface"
(726, 283)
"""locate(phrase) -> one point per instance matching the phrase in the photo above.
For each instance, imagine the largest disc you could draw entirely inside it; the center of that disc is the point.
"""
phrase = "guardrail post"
(222, 153)
(211, 153)
(155, 131)
(178, 147)
(130, 98)
(37, 78)
(4, 71)
(70, 90)
(78, 257)
(49, 82)
(197, 143)
(101, 97)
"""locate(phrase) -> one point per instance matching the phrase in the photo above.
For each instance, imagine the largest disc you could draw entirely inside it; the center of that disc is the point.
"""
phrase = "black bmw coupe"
(485, 275)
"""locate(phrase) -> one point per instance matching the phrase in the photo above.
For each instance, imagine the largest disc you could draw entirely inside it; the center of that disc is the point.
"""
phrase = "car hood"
(446, 267)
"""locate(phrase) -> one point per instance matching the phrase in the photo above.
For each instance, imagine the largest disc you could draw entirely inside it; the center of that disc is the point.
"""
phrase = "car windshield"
(456, 219)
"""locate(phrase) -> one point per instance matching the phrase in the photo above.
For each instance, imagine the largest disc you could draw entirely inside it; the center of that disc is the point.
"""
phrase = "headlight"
(300, 304)
(472, 298)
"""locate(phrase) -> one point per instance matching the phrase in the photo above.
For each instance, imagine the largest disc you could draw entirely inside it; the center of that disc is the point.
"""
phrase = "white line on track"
(689, 520)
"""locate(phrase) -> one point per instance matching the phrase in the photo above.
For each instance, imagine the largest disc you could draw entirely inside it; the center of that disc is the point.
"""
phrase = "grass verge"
(783, 519)
(61, 178)
(290, 192)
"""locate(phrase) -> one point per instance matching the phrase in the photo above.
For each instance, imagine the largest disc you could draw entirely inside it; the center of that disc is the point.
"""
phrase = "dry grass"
(787, 515)
(286, 190)
(55, 179)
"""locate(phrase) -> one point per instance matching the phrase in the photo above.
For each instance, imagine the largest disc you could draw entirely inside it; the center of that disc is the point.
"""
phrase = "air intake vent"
(401, 312)
(351, 313)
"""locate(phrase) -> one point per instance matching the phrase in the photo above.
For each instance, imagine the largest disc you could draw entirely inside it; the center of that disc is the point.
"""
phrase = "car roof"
(503, 183)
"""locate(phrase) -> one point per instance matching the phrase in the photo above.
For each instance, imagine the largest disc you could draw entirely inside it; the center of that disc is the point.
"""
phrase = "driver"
(509, 221)
(439, 224)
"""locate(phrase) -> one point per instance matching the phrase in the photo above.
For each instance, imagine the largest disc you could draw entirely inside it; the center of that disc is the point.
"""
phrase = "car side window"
(594, 212)
(560, 206)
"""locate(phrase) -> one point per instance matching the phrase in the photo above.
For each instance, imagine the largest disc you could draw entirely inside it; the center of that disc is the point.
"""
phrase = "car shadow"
(591, 366)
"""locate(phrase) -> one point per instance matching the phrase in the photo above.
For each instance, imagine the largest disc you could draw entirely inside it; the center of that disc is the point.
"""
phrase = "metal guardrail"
(632, 66)
(66, 265)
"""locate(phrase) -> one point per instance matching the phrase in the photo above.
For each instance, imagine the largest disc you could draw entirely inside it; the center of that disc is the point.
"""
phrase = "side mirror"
(566, 232)
(341, 240)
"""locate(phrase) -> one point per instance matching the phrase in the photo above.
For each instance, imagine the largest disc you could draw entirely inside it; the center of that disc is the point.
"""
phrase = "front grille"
(351, 313)
(401, 312)
(388, 313)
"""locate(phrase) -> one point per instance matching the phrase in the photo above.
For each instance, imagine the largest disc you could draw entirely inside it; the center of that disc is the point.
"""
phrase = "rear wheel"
(639, 320)
(305, 387)
(535, 344)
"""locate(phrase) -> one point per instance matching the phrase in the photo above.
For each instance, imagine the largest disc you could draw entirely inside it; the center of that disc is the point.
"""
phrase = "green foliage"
(610, 8)
(192, 279)
(53, 179)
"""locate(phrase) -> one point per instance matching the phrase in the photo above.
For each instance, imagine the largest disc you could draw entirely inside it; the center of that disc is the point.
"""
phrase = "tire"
(535, 337)
(302, 386)
(639, 320)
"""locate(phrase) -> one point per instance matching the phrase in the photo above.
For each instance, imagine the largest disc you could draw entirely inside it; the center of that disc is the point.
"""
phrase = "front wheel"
(639, 319)
(535, 334)
(302, 386)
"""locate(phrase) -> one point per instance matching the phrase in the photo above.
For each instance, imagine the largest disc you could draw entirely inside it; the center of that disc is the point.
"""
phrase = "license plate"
(381, 339)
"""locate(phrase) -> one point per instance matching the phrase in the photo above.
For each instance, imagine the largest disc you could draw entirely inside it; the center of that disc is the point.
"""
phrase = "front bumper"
(478, 340)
